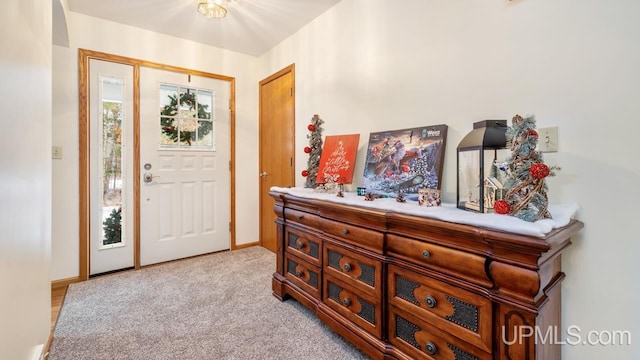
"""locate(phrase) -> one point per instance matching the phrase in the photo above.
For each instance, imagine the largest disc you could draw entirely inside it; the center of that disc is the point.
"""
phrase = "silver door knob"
(263, 174)
(148, 177)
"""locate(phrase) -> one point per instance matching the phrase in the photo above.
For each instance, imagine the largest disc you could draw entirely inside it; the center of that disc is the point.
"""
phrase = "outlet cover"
(548, 139)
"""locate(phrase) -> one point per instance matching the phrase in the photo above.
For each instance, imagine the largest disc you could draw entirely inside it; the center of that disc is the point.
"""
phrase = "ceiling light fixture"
(213, 8)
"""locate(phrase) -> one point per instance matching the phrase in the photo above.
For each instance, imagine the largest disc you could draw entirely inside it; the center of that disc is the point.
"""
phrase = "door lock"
(263, 174)
(148, 177)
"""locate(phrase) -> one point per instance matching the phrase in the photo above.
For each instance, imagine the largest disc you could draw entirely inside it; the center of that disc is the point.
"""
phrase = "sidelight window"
(112, 161)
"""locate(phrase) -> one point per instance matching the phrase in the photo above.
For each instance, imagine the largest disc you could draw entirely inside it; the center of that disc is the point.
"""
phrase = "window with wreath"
(186, 118)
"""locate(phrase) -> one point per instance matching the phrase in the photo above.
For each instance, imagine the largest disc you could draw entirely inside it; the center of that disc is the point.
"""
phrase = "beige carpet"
(217, 306)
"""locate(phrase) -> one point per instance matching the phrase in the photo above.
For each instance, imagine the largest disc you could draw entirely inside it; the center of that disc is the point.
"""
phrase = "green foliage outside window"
(112, 227)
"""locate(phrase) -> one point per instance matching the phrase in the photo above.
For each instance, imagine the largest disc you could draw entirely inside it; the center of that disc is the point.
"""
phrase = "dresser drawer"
(303, 274)
(360, 271)
(368, 239)
(461, 264)
(422, 340)
(356, 306)
(304, 245)
(301, 217)
(464, 314)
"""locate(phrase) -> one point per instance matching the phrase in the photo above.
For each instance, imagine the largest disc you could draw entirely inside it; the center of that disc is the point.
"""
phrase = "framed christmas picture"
(338, 159)
(405, 161)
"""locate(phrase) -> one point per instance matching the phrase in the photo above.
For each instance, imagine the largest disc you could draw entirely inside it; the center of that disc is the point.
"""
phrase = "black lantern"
(479, 180)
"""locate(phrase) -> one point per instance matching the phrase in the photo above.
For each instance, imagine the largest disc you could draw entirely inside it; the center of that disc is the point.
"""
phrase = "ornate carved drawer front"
(358, 307)
(459, 263)
(304, 275)
(360, 271)
(423, 340)
(304, 245)
(301, 217)
(461, 313)
(368, 239)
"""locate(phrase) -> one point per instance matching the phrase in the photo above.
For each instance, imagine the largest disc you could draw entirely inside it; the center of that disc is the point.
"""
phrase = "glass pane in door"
(186, 118)
(112, 160)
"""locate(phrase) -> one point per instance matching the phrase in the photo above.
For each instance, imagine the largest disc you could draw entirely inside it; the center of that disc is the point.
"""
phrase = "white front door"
(184, 160)
(111, 167)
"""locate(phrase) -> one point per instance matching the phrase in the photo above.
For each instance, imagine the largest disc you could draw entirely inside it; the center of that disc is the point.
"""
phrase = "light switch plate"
(548, 139)
(56, 152)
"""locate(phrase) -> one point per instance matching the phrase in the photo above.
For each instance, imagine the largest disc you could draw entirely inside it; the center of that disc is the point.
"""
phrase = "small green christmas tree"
(112, 227)
(314, 150)
(526, 189)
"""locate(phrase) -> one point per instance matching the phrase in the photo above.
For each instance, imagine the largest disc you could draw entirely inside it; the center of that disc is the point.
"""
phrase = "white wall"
(100, 35)
(369, 65)
(25, 175)
(60, 35)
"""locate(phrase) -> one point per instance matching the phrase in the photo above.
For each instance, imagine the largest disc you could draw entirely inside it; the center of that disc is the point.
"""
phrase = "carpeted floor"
(217, 306)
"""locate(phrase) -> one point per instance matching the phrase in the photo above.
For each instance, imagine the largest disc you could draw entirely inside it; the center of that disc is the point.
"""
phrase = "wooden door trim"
(289, 69)
(84, 56)
(285, 71)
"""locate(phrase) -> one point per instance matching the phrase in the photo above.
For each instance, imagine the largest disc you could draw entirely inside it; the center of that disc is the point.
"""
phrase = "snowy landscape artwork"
(405, 161)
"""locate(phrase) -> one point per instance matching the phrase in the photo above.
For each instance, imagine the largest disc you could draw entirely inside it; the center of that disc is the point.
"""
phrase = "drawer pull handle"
(345, 232)
(299, 217)
(347, 267)
(426, 254)
(346, 302)
(299, 273)
(299, 244)
(431, 348)
(430, 301)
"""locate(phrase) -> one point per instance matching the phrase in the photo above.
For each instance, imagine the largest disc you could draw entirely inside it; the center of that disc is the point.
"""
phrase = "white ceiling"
(251, 26)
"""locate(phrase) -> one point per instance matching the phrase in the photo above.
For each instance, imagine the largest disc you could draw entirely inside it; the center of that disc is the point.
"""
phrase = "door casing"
(84, 56)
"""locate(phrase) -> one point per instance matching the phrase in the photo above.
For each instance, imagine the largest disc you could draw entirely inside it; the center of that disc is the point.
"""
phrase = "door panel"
(185, 207)
(277, 125)
(111, 243)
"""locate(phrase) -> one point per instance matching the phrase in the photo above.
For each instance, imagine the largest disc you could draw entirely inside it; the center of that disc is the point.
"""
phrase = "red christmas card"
(338, 158)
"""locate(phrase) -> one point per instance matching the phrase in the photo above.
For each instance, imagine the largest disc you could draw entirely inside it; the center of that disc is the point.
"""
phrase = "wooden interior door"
(277, 142)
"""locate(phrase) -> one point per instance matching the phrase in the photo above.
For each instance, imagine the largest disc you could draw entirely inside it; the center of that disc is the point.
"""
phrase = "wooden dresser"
(409, 287)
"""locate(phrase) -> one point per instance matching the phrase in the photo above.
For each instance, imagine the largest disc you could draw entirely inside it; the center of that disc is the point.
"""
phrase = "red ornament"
(311, 127)
(501, 207)
(307, 149)
(539, 171)
(533, 133)
(305, 173)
